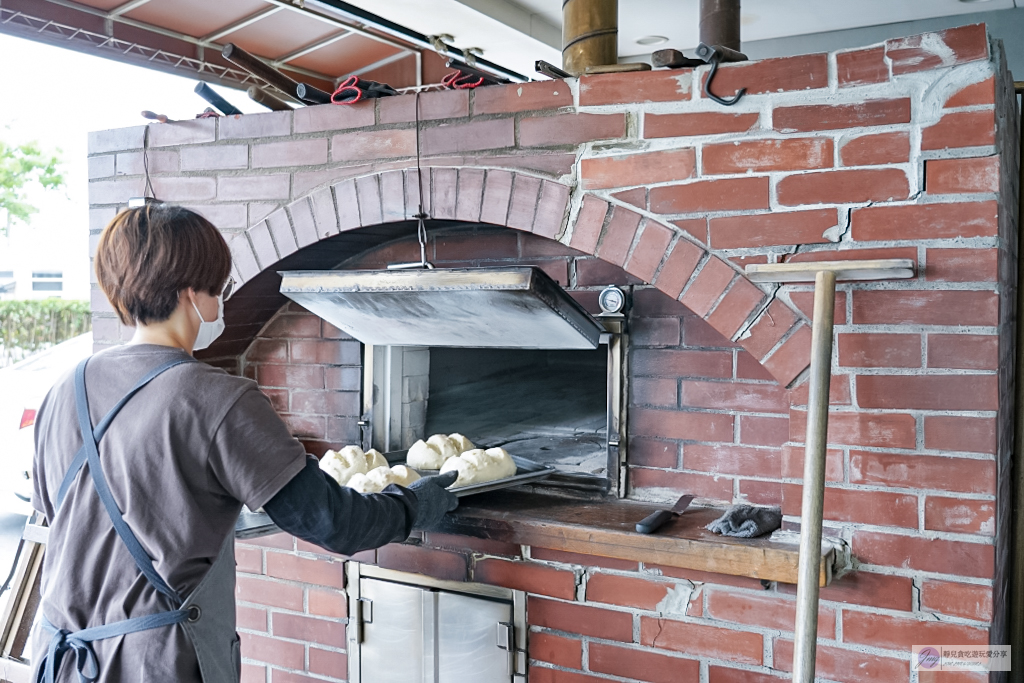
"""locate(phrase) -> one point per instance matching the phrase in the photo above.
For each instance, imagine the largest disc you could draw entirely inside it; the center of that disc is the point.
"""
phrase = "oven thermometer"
(612, 299)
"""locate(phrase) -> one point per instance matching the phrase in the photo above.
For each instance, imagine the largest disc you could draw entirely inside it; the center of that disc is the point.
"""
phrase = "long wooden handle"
(214, 98)
(258, 68)
(308, 93)
(261, 96)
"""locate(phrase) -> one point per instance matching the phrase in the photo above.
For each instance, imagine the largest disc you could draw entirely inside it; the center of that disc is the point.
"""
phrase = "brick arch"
(655, 252)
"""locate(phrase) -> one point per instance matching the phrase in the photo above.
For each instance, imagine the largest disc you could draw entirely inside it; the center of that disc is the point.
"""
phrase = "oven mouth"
(501, 355)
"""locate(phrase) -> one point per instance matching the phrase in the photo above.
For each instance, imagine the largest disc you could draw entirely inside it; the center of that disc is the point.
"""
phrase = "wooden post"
(824, 274)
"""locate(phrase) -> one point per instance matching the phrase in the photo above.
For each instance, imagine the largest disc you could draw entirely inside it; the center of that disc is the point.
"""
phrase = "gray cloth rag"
(747, 521)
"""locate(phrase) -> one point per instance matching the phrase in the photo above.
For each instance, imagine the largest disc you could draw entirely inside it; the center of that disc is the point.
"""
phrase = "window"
(6, 274)
(47, 281)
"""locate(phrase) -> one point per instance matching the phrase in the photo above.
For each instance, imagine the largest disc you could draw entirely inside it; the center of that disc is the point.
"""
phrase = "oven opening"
(550, 407)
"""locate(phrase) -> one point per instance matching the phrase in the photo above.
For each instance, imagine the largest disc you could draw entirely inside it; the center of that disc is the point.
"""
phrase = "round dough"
(502, 462)
(462, 444)
(403, 475)
(444, 445)
(424, 456)
(361, 483)
(343, 465)
(380, 478)
(477, 466)
(374, 459)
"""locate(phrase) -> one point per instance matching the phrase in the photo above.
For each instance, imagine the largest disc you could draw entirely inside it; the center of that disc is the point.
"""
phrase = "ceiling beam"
(184, 37)
(306, 11)
(311, 47)
(382, 62)
(125, 8)
(240, 24)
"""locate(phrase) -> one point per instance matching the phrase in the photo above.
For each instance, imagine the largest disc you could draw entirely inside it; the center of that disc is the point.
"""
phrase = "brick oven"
(907, 149)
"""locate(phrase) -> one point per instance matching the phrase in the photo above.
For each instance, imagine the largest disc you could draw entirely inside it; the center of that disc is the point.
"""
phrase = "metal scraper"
(653, 521)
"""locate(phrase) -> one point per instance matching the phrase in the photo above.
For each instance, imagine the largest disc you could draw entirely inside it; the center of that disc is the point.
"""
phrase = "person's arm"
(314, 508)
(261, 464)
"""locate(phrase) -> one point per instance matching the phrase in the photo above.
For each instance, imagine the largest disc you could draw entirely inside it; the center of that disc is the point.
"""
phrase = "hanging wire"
(421, 216)
(148, 192)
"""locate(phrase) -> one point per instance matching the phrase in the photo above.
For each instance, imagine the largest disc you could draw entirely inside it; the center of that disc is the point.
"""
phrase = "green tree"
(20, 167)
(30, 326)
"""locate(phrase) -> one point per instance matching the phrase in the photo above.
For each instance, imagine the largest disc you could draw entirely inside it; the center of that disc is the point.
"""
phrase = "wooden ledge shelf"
(607, 529)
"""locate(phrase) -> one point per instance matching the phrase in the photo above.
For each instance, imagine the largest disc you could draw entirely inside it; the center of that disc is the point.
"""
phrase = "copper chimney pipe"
(720, 23)
(590, 31)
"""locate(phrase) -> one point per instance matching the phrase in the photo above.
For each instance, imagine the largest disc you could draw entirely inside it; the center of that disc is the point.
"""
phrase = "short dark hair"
(147, 255)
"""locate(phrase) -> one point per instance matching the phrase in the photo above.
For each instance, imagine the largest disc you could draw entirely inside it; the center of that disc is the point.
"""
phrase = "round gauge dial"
(612, 299)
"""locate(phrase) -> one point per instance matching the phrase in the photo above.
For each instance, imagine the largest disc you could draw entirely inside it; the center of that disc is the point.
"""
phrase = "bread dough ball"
(461, 465)
(374, 459)
(424, 456)
(444, 445)
(462, 444)
(343, 465)
(502, 462)
(380, 478)
(361, 483)
(478, 466)
(403, 476)
(350, 461)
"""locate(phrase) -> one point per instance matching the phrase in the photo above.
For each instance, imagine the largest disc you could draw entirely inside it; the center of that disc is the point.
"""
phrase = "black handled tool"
(312, 95)
(218, 102)
(260, 69)
(673, 59)
(258, 94)
(652, 522)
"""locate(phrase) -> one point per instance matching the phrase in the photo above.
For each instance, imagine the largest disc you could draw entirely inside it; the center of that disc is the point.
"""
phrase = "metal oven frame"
(381, 420)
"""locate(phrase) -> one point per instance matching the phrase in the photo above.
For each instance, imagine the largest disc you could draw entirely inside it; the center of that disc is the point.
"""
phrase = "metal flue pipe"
(720, 23)
(590, 34)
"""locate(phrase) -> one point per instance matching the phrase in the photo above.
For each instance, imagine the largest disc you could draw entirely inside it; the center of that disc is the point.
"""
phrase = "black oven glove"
(433, 499)
(313, 507)
(747, 521)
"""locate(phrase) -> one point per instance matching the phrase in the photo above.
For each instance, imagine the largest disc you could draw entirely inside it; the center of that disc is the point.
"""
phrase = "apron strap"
(62, 641)
(79, 460)
(90, 446)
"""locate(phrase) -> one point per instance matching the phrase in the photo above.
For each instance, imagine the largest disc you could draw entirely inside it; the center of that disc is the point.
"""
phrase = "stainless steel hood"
(513, 307)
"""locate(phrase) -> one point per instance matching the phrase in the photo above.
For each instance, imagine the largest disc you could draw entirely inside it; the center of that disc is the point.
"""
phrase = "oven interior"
(546, 406)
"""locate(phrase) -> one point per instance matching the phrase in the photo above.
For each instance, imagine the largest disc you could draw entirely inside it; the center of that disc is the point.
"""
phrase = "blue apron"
(207, 614)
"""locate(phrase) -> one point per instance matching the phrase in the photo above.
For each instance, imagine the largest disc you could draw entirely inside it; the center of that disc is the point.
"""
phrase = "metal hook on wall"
(714, 56)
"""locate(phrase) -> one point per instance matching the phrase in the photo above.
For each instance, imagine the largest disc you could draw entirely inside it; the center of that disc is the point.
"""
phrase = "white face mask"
(209, 331)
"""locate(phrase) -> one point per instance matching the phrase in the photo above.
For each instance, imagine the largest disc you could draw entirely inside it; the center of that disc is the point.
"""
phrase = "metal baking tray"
(526, 471)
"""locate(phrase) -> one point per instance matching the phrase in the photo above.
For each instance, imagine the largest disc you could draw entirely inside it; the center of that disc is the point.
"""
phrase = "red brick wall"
(704, 415)
(905, 149)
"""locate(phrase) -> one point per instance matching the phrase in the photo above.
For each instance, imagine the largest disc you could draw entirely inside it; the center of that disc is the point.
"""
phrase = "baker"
(143, 460)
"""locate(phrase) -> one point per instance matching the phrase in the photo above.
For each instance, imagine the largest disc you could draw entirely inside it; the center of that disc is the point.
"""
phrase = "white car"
(22, 388)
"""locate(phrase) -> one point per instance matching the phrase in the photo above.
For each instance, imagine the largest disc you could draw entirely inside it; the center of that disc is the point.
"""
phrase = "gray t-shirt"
(181, 457)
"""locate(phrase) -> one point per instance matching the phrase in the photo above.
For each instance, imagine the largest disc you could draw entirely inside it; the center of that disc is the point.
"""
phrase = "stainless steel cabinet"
(402, 633)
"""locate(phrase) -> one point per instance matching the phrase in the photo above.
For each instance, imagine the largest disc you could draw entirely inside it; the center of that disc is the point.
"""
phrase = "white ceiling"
(515, 33)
